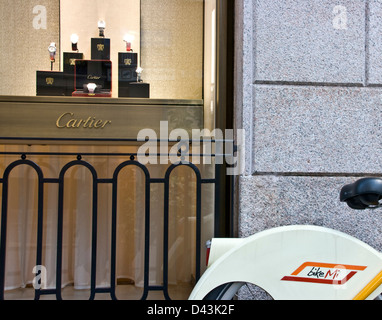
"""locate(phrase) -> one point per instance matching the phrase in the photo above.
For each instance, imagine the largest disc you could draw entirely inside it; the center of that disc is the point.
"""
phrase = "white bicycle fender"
(294, 262)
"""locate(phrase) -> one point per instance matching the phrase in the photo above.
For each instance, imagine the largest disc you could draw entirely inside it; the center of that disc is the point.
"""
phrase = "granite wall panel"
(317, 129)
(374, 48)
(271, 201)
(309, 41)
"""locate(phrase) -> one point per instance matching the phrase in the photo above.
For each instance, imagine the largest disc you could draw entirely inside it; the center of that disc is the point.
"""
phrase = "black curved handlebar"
(362, 194)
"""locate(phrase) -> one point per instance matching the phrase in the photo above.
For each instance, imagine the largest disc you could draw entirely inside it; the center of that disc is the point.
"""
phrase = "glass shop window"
(114, 48)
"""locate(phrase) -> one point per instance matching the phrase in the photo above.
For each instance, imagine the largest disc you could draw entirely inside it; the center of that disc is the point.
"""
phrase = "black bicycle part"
(362, 194)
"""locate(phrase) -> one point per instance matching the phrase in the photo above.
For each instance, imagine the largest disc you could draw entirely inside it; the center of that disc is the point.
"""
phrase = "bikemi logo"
(325, 273)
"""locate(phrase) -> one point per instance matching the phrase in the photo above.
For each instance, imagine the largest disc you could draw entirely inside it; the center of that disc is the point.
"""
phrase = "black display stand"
(69, 68)
(70, 61)
(128, 85)
(52, 83)
(134, 90)
(127, 66)
(100, 49)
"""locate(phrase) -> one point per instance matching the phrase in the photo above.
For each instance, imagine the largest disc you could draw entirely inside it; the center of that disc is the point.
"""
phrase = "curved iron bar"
(4, 216)
(69, 165)
(166, 221)
(131, 162)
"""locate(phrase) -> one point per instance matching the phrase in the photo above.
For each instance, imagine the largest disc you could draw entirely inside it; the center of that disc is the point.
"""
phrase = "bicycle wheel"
(233, 290)
(238, 290)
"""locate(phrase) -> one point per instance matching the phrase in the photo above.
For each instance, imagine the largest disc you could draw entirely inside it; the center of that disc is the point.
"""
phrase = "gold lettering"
(79, 123)
(67, 120)
(87, 122)
(58, 125)
(71, 123)
(106, 123)
(91, 123)
(49, 81)
(100, 47)
(98, 124)
(90, 77)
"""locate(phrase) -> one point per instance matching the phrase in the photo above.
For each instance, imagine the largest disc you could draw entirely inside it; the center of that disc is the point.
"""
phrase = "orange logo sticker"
(327, 273)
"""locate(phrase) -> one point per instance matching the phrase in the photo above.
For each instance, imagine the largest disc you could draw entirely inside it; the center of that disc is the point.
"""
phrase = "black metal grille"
(96, 181)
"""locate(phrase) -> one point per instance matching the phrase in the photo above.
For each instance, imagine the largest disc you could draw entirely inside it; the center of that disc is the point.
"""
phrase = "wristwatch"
(52, 50)
(101, 28)
(74, 39)
(91, 87)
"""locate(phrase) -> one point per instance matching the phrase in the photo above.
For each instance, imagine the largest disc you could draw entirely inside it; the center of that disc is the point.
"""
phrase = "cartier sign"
(68, 120)
(81, 119)
(90, 77)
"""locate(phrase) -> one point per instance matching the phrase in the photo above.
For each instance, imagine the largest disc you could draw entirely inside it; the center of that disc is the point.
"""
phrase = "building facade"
(308, 93)
(303, 79)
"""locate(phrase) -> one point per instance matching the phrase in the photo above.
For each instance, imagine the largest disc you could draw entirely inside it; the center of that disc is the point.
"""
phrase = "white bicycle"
(299, 262)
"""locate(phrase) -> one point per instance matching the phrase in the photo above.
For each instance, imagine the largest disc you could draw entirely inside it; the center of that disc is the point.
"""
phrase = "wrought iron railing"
(132, 160)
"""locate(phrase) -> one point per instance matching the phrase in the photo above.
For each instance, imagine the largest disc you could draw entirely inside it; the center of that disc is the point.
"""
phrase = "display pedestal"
(70, 61)
(69, 68)
(127, 66)
(100, 49)
(134, 90)
(52, 83)
(127, 77)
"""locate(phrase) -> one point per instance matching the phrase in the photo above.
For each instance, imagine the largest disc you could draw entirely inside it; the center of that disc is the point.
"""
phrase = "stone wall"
(309, 95)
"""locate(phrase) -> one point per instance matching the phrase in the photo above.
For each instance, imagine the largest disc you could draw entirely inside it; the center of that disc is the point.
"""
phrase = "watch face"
(52, 47)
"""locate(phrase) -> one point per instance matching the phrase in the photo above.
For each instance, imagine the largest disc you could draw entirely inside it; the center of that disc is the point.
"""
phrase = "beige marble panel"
(27, 28)
(172, 48)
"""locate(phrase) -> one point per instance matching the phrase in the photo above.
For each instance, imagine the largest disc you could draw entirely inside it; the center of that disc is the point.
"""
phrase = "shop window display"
(89, 70)
(155, 48)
